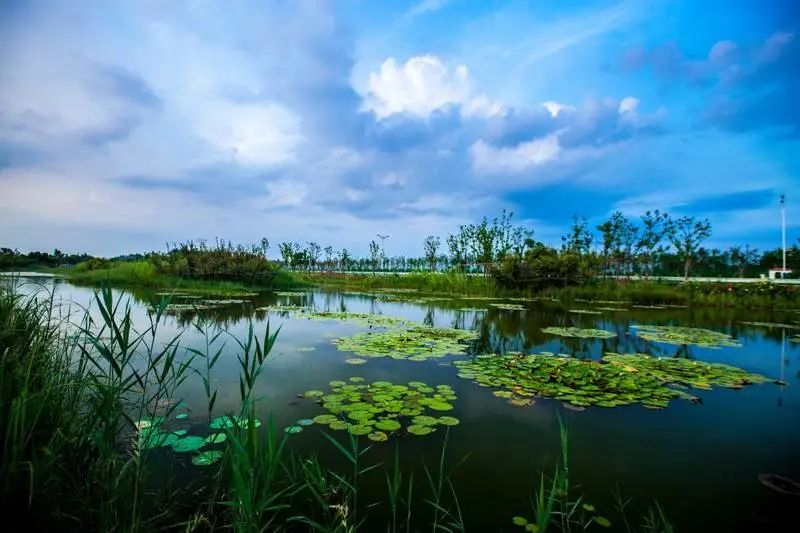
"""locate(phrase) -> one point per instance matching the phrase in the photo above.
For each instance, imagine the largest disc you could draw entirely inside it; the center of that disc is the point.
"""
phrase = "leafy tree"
(313, 251)
(431, 248)
(344, 259)
(686, 234)
(654, 229)
(579, 239)
(374, 254)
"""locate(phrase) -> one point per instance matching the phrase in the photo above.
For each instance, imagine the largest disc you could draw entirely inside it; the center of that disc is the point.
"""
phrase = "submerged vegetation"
(614, 381)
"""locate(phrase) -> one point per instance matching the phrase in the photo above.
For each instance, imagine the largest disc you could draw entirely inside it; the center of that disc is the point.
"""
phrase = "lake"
(701, 462)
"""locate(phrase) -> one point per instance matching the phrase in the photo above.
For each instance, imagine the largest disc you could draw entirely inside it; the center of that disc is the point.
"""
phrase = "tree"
(686, 234)
(328, 257)
(579, 239)
(741, 258)
(312, 254)
(431, 248)
(344, 259)
(264, 246)
(374, 254)
(654, 228)
(287, 252)
(457, 245)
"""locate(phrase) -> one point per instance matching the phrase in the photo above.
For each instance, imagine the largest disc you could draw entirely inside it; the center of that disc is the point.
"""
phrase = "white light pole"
(783, 233)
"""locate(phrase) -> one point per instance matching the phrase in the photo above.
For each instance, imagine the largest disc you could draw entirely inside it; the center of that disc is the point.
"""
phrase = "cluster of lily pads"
(585, 312)
(771, 325)
(153, 433)
(382, 409)
(683, 335)
(362, 319)
(614, 381)
(509, 307)
(417, 343)
(580, 333)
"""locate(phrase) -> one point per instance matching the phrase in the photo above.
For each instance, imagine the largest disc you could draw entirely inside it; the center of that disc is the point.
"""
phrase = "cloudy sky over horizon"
(128, 124)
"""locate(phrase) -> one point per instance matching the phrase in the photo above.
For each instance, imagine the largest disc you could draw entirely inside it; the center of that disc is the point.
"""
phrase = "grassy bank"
(425, 282)
(762, 295)
(143, 274)
(79, 412)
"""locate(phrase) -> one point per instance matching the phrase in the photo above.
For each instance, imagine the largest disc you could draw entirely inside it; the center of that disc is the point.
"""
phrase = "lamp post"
(783, 234)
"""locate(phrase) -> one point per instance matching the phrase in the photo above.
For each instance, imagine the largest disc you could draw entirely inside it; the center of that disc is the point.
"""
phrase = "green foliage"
(615, 381)
(416, 343)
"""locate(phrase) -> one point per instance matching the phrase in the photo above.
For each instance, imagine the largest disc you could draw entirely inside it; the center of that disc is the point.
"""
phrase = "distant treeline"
(16, 260)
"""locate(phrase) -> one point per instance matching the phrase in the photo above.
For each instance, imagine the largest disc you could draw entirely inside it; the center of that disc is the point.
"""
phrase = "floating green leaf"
(216, 438)
(614, 381)
(448, 421)
(355, 361)
(384, 407)
(378, 436)
(416, 343)
(416, 429)
(682, 335)
(291, 430)
(581, 333)
(206, 458)
(188, 444)
(325, 419)
(181, 416)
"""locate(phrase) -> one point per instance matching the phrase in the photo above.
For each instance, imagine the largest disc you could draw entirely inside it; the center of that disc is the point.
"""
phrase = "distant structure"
(778, 272)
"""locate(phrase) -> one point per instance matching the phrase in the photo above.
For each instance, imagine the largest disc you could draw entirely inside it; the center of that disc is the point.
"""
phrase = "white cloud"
(490, 160)
(286, 193)
(392, 179)
(422, 86)
(554, 108)
(427, 6)
(253, 134)
(628, 105)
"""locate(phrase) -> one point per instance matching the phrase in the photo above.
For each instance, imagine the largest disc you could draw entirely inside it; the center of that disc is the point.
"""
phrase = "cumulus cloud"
(253, 134)
(488, 159)
(422, 86)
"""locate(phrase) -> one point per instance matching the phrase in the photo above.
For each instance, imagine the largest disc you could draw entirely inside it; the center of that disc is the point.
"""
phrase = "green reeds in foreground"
(71, 456)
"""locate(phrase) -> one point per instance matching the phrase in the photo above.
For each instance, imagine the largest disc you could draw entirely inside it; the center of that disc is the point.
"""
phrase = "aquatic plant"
(382, 409)
(771, 325)
(363, 319)
(416, 343)
(509, 307)
(681, 335)
(585, 312)
(581, 333)
(614, 381)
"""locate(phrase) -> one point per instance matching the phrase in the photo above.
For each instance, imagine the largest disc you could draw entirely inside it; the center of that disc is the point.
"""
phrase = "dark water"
(700, 462)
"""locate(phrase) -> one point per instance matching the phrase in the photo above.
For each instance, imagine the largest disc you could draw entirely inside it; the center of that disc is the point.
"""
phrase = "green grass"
(424, 282)
(752, 295)
(143, 274)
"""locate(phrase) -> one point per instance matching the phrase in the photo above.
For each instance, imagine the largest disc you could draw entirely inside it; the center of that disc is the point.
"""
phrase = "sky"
(126, 125)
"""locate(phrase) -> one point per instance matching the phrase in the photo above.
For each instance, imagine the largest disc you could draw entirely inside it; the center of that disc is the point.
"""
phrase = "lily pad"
(188, 444)
(291, 430)
(384, 407)
(616, 380)
(682, 335)
(448, 421)
(206, 458)
(580, 333)
(355, 361)
(415, 343)
(416, 429)
(378, 436)
(216, 438)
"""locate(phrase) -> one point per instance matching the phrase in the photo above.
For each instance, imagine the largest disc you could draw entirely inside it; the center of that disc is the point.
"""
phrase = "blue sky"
(125, 125)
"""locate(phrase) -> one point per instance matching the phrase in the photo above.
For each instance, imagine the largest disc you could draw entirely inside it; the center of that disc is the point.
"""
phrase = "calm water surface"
(700, 462)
